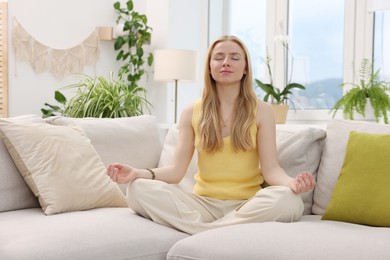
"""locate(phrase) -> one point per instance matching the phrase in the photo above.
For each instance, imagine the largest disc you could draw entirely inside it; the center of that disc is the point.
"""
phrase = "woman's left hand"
(302, 183)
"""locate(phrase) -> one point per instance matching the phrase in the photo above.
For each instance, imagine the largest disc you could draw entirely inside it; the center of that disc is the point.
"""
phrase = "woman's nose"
(226, 62)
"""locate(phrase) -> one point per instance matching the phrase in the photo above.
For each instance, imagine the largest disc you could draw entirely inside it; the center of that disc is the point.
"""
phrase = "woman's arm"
(266, 140)
(172, 173)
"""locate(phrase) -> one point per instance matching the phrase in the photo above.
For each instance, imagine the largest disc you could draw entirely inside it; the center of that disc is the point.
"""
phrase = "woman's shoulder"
(190, 109)
(265, 112)
(264, 107)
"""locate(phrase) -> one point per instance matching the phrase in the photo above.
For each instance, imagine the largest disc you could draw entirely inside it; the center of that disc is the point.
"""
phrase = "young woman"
(234, 135)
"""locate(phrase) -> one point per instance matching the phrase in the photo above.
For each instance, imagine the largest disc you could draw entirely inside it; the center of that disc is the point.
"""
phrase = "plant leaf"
(59, 97)
(117, 5)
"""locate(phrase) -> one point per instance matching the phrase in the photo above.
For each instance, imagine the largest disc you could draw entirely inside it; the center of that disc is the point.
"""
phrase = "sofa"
(58, 203)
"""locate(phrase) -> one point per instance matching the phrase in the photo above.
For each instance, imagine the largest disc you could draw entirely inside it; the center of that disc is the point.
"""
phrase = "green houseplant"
(368, 90)
(130, 45)
(99, 97)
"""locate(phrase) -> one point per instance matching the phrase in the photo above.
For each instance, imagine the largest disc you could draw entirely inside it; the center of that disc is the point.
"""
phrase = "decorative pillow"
(333, 157)
(61, 167)
(14, 192)
(130, 140)
(362, 193)
(299, 149)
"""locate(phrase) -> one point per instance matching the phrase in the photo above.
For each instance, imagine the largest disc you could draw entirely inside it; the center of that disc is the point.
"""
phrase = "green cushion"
(362, 192)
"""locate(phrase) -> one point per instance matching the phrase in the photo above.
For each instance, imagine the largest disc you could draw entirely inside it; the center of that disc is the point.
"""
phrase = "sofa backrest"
(135, 141)
(132, 140)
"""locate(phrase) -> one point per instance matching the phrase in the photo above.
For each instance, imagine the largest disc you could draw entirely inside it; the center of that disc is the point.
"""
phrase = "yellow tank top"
(226, 174)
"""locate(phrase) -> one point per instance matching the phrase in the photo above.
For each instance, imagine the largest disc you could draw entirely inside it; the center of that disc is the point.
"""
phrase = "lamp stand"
(175, 119)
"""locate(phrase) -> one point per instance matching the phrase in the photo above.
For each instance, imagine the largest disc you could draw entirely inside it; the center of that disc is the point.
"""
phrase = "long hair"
(210, 126)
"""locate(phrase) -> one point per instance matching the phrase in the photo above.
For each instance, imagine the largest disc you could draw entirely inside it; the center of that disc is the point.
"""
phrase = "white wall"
(62, 24)
(180, 24)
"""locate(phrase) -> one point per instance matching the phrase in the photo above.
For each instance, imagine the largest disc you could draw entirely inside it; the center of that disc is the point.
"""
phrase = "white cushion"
(309, 238)
(104, 233)
(333, 157)
(14, 192)
(299, 149)
(61, 167)
(132, 140)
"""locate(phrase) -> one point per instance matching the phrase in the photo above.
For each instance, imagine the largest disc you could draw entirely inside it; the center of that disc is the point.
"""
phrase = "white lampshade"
(172, 65)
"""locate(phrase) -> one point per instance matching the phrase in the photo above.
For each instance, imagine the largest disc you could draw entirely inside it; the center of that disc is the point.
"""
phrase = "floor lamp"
(175, 65)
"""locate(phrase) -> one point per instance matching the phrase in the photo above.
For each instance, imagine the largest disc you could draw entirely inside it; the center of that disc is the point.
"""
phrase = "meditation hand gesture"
(121, 174)
(302, 183)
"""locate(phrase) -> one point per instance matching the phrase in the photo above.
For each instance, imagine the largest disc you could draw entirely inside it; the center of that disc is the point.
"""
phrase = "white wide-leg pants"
(170, 206)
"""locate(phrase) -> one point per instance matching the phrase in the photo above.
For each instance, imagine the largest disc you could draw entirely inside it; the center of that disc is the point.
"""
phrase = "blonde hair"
(210, 127)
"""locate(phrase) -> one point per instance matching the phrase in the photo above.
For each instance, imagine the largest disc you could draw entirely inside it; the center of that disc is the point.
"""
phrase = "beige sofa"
(83, 217)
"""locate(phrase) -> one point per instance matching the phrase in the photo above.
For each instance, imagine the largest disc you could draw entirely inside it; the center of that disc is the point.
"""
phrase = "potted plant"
(368, 92)
(278, 97)
(130, 45)
(99, 97)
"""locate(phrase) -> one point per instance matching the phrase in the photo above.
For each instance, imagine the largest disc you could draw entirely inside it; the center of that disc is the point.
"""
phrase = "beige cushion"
(133, 140)
(299, 149)
(14, 192)
(333, 157)
(61, 167)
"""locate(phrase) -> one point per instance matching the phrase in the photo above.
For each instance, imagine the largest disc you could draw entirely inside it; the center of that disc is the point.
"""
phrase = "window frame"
(358, 44)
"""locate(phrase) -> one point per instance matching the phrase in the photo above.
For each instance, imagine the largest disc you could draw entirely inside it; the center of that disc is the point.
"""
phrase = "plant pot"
(368, 111)
(280, 111)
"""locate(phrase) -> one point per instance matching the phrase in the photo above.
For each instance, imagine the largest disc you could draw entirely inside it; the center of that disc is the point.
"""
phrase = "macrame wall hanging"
(59, 62)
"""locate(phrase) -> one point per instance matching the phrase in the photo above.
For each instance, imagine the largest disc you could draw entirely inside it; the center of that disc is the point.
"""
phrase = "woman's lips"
(226, 72)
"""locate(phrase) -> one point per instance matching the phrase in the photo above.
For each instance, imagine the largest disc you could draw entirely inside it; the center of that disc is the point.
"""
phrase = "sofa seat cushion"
(310, 238)
(104, 233)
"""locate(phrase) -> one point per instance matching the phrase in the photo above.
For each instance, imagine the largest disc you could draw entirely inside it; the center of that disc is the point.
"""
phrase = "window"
(382, 44)
(328, 40)
(316, 33)
(226, 17)
(252, 30)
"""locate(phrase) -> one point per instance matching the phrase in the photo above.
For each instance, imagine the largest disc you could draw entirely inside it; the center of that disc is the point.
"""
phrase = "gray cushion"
(14, 192)
(300, 149)
(105, 233)
(309, 238)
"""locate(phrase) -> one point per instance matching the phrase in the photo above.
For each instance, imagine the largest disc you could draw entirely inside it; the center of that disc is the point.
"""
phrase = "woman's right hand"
(121, 173)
